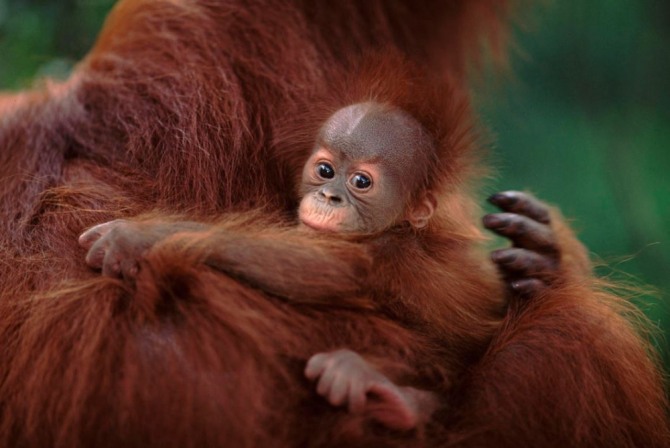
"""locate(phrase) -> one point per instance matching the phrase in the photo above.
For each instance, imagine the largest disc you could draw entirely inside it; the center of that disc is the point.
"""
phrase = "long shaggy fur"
(181, 109)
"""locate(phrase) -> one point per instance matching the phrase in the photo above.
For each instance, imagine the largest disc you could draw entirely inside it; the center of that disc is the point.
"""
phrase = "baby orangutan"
(368, 227)
(367, 172)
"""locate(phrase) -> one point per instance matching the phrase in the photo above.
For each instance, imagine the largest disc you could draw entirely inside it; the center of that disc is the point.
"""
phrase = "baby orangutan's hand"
(346, 379)
(116, 247)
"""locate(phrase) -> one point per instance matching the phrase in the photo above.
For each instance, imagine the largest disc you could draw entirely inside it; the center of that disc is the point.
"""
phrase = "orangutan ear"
(420, 213)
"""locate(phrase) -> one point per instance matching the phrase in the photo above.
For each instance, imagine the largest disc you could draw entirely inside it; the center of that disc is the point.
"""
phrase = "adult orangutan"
(369, 186)
(176, 113)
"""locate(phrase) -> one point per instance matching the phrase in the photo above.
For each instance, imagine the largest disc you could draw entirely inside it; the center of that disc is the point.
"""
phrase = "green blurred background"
(583, 121)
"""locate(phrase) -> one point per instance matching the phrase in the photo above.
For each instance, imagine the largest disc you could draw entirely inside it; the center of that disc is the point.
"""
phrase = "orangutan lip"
(316, 226)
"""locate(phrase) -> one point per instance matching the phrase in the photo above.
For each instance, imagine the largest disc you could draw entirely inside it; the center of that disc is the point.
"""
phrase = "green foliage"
(45, 38)
(584, 122)
(585, 125)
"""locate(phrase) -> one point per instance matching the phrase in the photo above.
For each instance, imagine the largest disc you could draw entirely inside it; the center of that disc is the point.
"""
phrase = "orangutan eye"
(360, 181)
(325, 170)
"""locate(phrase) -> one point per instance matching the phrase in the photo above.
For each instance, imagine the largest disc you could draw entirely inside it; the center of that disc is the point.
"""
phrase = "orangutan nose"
(331, 196)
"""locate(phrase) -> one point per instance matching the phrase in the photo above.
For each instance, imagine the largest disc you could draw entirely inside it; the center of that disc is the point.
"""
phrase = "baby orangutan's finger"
(326, 382)
(96, 254)
(339, 389)
(89, 237)
(111, 266)
(316, 365)
(357, 397)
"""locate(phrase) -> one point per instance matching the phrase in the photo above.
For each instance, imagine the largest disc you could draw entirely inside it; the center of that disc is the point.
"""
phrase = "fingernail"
(503, 257)
(495, 221)
(502, 199)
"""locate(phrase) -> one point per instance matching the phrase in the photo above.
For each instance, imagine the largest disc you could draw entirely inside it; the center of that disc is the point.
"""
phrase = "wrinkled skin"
(529, 267)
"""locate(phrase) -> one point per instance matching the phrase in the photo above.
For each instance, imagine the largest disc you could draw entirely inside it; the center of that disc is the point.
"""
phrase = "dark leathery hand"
(532, 263)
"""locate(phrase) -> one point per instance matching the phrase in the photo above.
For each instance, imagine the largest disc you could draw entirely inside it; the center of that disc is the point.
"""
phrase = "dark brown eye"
(360, 181)
(325, 170)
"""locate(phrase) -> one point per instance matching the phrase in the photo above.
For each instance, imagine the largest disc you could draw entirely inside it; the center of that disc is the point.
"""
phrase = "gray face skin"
(360, 176)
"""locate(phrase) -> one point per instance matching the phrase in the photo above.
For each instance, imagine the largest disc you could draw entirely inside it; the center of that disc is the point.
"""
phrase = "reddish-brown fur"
(181, 110)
